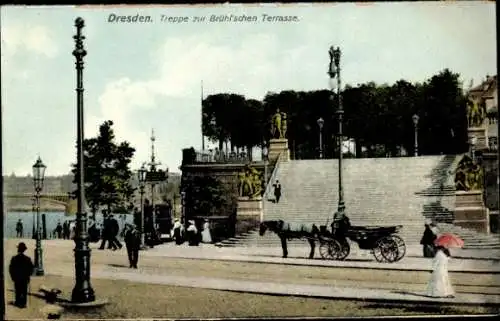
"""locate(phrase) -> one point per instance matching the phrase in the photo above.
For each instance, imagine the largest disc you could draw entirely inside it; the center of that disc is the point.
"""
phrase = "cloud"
(181, 64)
(35, 39)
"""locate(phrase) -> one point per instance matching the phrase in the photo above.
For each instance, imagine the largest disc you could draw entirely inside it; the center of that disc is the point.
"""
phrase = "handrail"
(272, 178)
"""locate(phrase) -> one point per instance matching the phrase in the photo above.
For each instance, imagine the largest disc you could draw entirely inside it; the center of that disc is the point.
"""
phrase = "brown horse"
(289, 231)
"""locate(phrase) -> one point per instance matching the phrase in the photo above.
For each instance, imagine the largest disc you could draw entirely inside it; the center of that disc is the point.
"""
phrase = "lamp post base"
(38, 268)
(82, 292)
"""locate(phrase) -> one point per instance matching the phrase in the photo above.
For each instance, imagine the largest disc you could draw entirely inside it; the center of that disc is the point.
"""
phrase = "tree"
(107, 171)
(206, 196)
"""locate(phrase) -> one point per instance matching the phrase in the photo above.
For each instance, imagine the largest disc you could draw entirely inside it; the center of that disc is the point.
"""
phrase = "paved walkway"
(413, 261)
(317, 291)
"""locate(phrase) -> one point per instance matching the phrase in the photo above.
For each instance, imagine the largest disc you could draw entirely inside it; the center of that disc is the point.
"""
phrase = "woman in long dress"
(205, 234)
(439, 284)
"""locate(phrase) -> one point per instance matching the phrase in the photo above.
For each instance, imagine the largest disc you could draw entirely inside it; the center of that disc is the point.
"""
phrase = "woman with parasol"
(439, 284)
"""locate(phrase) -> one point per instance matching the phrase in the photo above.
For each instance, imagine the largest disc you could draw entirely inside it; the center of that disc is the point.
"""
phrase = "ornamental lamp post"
(82, 292)
(415, 119)
(320, 122)
(334, 71)
(33, 211)
(473, 142)
(38, 176)
(265, 154)
(141, 173)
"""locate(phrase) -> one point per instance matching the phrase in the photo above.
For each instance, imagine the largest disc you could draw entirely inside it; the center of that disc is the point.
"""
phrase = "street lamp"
(141, 173)
(415, 119)
(320, 122)
(82, 292)
(334, 71)
(38, 176)
(33, 211)
(473, 142)
(265, 154)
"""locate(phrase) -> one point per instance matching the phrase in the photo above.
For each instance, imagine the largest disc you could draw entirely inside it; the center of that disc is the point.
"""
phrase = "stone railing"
(209, 156)
(274, 174)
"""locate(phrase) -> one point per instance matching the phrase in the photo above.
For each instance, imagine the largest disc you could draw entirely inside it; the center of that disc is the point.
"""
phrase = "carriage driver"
(340, 221)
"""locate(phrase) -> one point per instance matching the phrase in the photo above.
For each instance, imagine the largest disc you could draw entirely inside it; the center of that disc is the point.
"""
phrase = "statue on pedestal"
(469, 175)
(250, 183)
(476, 112)
(278, 125)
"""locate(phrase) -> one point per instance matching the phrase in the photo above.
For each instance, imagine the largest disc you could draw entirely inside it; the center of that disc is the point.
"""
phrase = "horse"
(289, 231)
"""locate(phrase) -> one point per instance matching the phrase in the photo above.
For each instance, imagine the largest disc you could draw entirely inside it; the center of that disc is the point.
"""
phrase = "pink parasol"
(449, 240)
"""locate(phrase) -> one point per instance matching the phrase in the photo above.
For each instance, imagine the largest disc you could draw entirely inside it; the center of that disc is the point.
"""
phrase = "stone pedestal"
(481, 137)
(470, 211)
(249, 208)
(279, 146)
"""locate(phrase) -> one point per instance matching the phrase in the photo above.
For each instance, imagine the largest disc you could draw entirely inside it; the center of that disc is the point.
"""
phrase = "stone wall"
(490, 163)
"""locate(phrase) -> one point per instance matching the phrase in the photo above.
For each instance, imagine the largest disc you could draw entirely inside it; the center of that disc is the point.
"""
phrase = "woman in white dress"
(205, 234)
(439, 284)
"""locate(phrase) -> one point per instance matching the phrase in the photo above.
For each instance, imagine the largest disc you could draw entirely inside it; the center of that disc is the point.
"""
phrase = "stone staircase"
(377, 191)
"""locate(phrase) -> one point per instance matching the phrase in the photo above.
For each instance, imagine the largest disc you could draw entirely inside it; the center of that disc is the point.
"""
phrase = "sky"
(146, 76)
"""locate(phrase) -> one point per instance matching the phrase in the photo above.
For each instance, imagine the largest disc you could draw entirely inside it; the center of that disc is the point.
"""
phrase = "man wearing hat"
(20, 269)
(133, 244)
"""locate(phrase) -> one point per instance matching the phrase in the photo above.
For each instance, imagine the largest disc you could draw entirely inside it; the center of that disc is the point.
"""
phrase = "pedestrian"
(19, 228)
(133, 244)
(105, 234)
(427, 241)
(178, 232)
(21, 268)
(72, 230)
(206, 237)
(439, 284)
(114, 230)
(59, 229)
(192, 234)
(277, 191)
(66, 230)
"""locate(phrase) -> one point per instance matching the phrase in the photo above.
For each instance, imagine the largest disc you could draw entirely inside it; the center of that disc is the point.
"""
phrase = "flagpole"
(202, 136)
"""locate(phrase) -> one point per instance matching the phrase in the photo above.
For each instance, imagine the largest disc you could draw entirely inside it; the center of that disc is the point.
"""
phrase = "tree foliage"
(207, 196)
(107, 171)
(377, 117)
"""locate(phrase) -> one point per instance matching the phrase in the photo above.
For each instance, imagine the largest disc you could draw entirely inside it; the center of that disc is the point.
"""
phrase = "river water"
(51, 219)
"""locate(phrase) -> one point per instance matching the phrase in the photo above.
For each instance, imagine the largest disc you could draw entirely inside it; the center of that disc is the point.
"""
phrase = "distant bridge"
(62, 199)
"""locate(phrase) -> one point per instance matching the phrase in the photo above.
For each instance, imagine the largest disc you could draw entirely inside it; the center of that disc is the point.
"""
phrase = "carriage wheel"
(345, 249)
(377, 251)
(389, 249)
(401, 247)
(328, 249)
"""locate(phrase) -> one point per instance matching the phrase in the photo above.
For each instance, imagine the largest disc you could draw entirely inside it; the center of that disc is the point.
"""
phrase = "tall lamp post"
(473, 142)
(320, 122)
(265, 154)
(142, 181)
(33, 210)
(415, 119)
(82, 292)
(38, 176)
(334, 71)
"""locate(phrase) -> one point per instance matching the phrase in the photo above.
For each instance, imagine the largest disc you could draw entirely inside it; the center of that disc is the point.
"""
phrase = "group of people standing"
(191, 234)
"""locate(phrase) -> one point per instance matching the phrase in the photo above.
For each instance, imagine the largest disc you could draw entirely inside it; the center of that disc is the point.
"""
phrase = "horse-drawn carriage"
(383, 242)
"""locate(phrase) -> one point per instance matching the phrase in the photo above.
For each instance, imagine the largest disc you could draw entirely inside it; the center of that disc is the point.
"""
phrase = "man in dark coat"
(59, 230)
(133, 244)
(114, 230)
(105, 233)
(427, 241)
(277, 190)
(21, 268)
(19, 228)
(66, 231)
